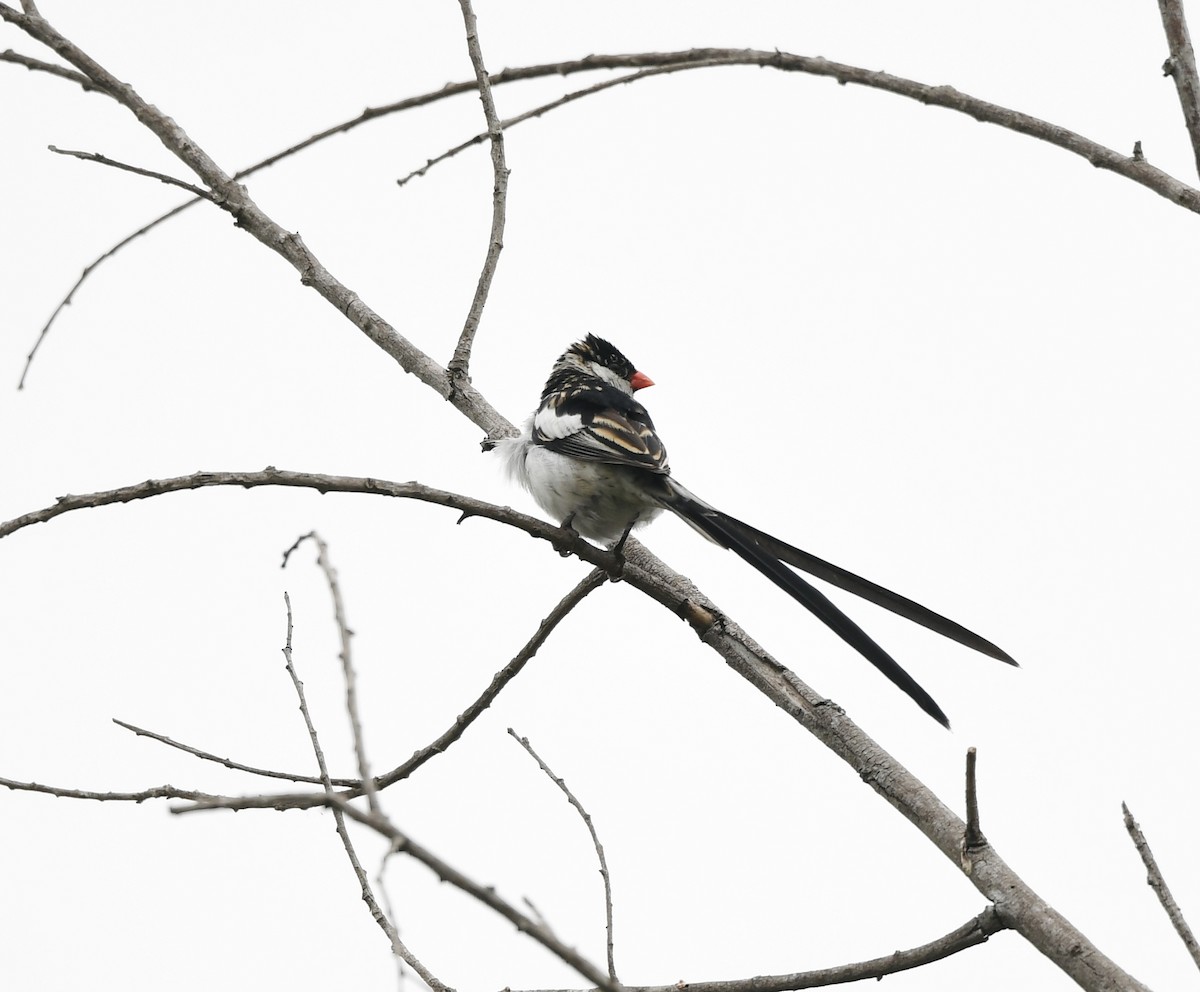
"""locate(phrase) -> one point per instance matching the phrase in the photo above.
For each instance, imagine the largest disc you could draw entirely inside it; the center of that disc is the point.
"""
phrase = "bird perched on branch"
(590, 457)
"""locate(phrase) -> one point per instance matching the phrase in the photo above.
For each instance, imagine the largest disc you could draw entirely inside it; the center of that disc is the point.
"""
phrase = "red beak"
(640, 380)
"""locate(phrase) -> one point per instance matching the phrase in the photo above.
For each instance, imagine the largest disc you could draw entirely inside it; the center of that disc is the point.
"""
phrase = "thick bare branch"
(1181, 66)
(459, 365)
(1154, 878)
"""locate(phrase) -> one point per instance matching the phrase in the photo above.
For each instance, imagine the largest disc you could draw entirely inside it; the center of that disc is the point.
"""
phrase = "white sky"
(944, 355)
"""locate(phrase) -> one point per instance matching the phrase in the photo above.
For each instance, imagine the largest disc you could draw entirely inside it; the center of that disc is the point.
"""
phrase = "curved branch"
(1132, 167)
(972, 933)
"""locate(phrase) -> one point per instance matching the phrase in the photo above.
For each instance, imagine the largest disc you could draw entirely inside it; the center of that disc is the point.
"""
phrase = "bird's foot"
(616, 557)
(569, 536)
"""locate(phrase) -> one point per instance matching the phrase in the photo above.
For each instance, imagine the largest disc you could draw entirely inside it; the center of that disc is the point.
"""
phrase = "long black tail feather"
(767, 554)
(874, 593)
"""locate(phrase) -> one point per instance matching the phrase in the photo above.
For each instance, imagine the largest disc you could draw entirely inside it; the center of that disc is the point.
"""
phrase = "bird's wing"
(598, 423)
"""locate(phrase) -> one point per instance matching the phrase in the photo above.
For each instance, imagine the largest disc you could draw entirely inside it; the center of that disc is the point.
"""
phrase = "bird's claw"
(568, 536)
(616, 557)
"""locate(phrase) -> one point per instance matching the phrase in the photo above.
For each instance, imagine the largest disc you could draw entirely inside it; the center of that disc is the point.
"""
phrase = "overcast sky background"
(946, 356)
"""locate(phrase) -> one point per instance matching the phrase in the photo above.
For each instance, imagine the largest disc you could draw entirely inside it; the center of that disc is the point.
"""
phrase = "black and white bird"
(590, 457)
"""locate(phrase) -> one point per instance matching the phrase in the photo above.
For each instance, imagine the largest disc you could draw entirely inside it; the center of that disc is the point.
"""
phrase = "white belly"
(601, 500)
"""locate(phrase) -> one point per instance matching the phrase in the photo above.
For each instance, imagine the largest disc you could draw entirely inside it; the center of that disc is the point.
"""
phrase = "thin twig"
(37, 65)
(137, 170)
(307, 800)
(159, 792)
(368, 895)
(229, 763)
(1181, 66)
(587, 820)
(459, 364)
(344, 636)
(510, 122)
(67, 300)
(593, 580)
(1154, 878)
(404, 844)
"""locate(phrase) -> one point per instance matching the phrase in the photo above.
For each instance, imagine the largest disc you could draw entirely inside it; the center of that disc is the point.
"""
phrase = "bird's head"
(595, 356)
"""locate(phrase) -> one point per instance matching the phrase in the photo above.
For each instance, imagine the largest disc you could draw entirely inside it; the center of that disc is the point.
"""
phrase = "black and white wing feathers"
(594, 421)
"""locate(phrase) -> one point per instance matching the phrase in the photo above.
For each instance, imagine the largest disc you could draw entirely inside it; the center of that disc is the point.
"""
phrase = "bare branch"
(973, 837)
(459, 365)
(368, 895)
(125, 167)
(1181, 66)
(66, 300)
(344, 635)
(1155, 880)
(404, 844)
(228, 763)
(234, 199)
(307, 800)
(593, 580)
(159, 792)
(511, 122)
(972, 933)
(271, 476)
(37, 65)
(1047, 930)
(587, 820)
(411, 359)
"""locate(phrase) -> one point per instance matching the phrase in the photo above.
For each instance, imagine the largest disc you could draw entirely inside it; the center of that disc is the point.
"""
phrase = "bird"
(590, 457)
